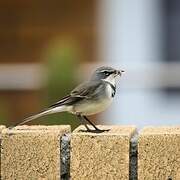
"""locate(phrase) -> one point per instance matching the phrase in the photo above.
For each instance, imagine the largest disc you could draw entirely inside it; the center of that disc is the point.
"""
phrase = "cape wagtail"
(90, 97)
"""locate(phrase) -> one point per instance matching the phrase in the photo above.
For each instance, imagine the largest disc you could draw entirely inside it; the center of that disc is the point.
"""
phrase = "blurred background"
(48, 47)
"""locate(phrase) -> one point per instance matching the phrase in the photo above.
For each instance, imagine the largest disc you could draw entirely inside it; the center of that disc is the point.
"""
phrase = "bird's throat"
(113, 88)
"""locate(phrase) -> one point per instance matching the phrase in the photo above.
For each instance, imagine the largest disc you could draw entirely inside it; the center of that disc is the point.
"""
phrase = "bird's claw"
(95, 130)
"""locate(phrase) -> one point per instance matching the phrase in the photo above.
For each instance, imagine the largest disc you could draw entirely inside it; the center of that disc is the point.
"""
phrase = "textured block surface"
(101, 155)
(159, 153)
(1, 128)
(31, 152)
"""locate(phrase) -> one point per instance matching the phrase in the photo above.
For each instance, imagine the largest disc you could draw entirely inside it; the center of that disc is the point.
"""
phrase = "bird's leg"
(96, 129)
(90, 123)
(83, 122)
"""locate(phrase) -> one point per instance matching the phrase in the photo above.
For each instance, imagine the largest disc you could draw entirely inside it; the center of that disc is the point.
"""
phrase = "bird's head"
(107, 74)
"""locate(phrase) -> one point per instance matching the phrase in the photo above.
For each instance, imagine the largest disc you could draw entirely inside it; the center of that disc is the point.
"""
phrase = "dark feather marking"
(113, 88)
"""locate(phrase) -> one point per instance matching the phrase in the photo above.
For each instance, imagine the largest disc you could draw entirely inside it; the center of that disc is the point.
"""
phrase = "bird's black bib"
(113, 88)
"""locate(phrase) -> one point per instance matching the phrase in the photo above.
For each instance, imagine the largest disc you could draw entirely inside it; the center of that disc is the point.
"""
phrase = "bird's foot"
(95, 130)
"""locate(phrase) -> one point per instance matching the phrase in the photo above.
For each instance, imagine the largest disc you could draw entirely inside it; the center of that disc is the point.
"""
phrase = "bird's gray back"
(89, 90)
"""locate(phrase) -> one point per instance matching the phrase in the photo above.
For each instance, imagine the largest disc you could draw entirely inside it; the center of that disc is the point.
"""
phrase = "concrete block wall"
(52, 152)
(31, 152)
(101, 156)
(159, 153)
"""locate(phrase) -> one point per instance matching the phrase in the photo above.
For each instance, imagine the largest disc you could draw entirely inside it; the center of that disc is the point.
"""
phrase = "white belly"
(93, 108)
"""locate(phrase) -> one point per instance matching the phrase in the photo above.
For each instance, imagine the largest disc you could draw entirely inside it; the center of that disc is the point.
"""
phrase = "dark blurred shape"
(172, 30)
(26, 26)
(26, 29)
(172, 40)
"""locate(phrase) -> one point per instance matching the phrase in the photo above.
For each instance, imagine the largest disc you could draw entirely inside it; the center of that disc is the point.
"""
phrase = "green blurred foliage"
(3, 113)
(62, 62)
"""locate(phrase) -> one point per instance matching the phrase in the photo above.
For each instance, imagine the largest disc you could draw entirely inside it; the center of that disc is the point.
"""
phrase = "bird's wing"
(85, 90)
(60, 102)
(88, 89)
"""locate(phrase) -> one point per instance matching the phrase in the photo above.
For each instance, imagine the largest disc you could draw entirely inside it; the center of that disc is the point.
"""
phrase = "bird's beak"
(119, 72)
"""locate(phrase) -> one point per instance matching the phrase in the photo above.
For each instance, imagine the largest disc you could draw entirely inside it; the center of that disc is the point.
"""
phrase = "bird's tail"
(43, 113)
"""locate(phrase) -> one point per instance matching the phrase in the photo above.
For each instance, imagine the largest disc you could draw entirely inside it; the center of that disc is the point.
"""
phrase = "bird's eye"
(106, 73)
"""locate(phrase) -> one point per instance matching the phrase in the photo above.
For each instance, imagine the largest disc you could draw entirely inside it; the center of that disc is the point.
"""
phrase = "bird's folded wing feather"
(60, 102)
(87, 89)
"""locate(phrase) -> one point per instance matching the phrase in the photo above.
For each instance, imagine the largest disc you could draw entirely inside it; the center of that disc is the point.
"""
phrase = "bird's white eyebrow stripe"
(110, 71)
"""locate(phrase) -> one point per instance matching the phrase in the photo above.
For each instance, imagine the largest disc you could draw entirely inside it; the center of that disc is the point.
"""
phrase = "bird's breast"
(92, 106)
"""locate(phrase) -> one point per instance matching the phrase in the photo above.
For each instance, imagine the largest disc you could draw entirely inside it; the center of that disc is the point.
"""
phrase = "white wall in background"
(22, 76)
(131, 37)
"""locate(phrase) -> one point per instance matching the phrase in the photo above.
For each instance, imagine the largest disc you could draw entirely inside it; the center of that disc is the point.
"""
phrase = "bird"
(88, 98)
